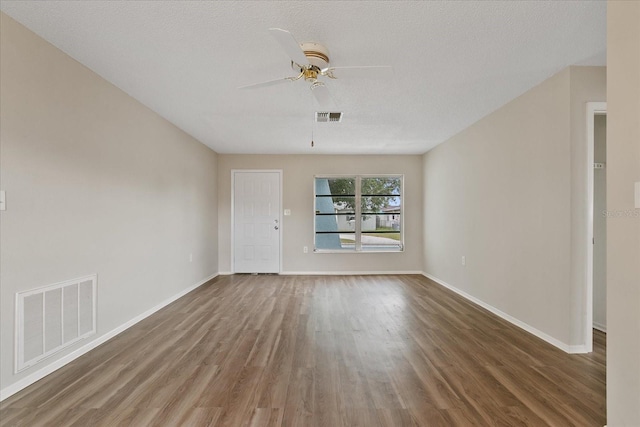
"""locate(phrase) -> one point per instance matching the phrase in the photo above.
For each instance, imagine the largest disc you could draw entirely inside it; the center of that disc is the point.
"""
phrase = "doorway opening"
(596, 222)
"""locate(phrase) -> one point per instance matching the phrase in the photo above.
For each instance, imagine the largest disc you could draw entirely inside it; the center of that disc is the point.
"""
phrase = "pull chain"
(313, 125)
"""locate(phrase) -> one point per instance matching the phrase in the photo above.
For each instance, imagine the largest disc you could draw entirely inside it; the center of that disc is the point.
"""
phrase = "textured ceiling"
(453, 63)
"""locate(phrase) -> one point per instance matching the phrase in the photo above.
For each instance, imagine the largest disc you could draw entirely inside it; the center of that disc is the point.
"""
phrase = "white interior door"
(256, 221)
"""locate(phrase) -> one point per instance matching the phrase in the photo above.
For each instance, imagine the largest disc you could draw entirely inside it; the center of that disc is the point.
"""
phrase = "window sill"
(352, 251)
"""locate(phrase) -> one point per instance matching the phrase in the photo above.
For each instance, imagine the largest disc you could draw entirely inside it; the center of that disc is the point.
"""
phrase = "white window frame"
(358, 214)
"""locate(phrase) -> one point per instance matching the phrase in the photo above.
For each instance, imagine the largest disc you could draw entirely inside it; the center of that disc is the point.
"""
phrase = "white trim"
(57, 364)
(346, 273)
(280, 224)
(600, 327)
(593, 108)
(522, 325)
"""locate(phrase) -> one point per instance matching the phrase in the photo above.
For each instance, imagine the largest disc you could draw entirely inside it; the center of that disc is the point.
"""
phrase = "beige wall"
(623, 230)
(500, 194)
(297, 229)
(96, 183)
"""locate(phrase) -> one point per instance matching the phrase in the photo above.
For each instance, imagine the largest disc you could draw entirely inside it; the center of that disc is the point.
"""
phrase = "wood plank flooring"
(324, 351)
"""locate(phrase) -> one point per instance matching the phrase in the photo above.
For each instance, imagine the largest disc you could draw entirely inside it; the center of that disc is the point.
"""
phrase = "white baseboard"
(57, 364)
(334, 273)
(345, 273)
(572, 349)
(600, 327)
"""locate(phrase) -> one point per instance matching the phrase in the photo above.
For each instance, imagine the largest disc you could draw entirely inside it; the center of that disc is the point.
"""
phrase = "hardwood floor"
(320, 351)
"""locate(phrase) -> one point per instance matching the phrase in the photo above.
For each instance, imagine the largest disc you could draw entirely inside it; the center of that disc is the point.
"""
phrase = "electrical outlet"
(464, 260)
(305, 249)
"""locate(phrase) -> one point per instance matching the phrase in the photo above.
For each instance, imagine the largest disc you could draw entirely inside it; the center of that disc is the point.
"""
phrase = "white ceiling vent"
(325, 117)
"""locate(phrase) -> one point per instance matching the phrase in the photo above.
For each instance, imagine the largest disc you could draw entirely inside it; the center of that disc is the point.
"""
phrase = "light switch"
(3, 203)
(637, 195)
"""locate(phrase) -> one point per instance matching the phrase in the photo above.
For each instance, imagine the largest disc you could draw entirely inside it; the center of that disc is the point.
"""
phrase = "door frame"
(593, 109)
(233, 226)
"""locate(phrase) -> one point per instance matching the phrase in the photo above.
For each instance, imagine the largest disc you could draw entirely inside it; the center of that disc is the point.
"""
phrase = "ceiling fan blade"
(266, 84)
(290, 45)
(323, 96)
(366, 71)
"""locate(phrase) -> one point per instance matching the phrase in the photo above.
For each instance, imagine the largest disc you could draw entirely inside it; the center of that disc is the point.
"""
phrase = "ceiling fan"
(311, 61)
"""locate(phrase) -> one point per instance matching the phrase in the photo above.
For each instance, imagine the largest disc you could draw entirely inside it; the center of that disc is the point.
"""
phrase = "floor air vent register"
(52, 318)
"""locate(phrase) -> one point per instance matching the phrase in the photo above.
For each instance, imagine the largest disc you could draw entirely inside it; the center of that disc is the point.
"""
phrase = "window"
(361, 213)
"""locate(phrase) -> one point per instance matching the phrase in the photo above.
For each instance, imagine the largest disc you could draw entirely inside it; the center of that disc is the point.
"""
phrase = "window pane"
(381, 243)
(380, 204)
(342, 223)
(381, 194)
(381, 185)
(336, 186)
(335, 241)
(381, 223)
(335, 213)
(335, 205)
